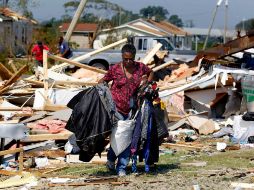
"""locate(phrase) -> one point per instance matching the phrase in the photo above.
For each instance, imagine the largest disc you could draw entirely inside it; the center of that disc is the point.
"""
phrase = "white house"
(145, 27)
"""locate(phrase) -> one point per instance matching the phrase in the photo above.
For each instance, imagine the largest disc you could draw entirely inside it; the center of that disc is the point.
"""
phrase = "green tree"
(22, 6)
(126, 16)
(174, 19)
(71, 6)
(245, 25)
(158, 12)
(90, 18)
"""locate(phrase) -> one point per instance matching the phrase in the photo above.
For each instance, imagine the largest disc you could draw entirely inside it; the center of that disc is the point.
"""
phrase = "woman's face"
(128, 59)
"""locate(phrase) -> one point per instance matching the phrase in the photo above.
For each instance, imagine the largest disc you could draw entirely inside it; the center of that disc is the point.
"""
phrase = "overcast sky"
(199, 11)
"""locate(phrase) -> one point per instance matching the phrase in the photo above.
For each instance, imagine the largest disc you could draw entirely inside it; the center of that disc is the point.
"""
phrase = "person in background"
(63, 48)
(126, 78)
(37, 53)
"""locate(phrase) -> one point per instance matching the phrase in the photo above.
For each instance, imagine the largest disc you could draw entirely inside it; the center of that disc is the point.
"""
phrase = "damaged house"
(146, 27)
(82, 35)
(16, 32)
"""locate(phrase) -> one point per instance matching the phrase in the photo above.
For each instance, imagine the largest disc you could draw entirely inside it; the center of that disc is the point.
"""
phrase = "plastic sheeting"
(242, 130)
(14, 131)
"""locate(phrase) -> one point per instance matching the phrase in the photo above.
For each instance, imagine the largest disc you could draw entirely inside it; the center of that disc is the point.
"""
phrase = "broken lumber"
(76, 83)
(75, 19)
(52, 107)
(243, 185)
(63, 65)
(72, 62)
(14, 68)
(14, 78)
(172, 145)
(171, 62)
(150, 55)
(4, 72)
(17, 150)
(41, 84)
(42, 137)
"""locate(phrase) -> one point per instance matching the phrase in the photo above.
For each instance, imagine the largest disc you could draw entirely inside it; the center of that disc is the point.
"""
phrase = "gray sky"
(199, 11)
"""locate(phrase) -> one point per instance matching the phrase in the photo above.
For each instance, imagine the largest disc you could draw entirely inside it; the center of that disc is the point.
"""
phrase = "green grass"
(240, 159)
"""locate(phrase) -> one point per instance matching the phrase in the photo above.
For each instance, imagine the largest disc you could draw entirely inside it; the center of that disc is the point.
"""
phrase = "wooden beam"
(63, 65)
(172, 145)
(84, 66)
(52, 107)
(171, 62)
(10, 173)
(10, 109)
(16, 150)
(45, 75)
(14, 68)
(5, 152)
(5, 73)
(43, 137)
(14, 78)
(41, 84)
(76, 83)
(4, 89)
(150, 55)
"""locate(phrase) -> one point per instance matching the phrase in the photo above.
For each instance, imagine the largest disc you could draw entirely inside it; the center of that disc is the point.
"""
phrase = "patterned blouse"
(124, 88)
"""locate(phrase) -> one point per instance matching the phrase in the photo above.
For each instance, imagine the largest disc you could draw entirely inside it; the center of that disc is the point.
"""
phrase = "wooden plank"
(5, 73)
(45, 77)
(42, 137)
(172, 145)
(41, 84)
(14, 68)
(15, 121)
(84, 66)
(55, 170)
(177, 124)
(63, 65)
(52, 107)
(14, 78)
(10, 109)
(21, 161)
(171, 62)
(76, 83)
(5, 152)
(243, 185)
(5, 89)
(10, 173)
(150, 55)
(85, 184)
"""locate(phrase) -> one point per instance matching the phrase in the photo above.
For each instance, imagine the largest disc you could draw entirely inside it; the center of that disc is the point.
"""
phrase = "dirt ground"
(178, 168)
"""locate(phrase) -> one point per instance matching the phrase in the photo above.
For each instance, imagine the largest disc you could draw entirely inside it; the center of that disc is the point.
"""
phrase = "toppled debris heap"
(212, 96)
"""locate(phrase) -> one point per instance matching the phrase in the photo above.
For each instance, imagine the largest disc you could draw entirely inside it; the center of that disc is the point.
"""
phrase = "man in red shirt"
(37, 52)
(126, 78)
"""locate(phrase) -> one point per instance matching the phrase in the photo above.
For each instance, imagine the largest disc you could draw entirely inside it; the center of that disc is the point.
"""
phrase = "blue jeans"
(123, 159)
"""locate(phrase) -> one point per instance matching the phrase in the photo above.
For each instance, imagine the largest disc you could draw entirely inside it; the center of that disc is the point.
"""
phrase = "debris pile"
(212, 97)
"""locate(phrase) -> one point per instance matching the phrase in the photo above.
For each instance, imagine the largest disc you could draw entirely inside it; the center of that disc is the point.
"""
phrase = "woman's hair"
(130, 48)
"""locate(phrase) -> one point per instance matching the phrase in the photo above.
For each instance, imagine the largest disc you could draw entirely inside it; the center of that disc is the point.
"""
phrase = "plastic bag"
(121, 135)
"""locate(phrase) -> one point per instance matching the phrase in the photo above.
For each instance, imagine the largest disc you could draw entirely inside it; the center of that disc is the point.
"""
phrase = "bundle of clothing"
(150, 127)
(93, 117)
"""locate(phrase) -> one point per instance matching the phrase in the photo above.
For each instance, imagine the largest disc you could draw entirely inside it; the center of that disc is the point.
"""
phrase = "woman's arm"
(150, 76)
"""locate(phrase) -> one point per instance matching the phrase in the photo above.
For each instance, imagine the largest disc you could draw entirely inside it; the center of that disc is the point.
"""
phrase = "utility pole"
(120, 18)
(226, 21)
(211, 25)
(74, 21)
(5, 3)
